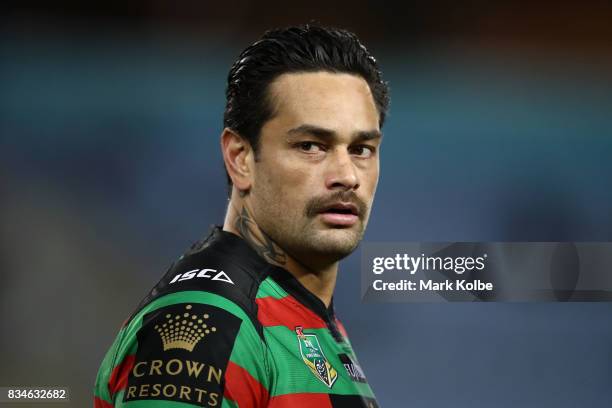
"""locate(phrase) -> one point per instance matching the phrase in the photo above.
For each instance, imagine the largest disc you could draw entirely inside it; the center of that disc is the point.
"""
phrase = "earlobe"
(236, 152)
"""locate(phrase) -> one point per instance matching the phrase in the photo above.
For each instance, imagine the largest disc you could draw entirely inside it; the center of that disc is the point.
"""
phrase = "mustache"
(315, 205)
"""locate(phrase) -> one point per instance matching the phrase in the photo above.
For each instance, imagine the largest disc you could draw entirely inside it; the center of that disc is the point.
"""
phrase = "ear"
(237, 155)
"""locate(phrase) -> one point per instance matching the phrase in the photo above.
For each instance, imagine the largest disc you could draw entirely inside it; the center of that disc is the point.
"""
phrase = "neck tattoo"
(259, 240)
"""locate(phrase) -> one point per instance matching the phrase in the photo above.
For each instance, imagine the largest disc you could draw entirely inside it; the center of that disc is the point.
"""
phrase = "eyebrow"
(323, 133)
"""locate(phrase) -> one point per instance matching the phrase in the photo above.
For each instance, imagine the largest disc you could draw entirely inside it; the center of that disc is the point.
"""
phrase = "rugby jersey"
(225, 328)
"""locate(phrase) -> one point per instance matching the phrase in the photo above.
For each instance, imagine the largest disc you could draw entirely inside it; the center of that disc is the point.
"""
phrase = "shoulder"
(219, 271)
(194, 328)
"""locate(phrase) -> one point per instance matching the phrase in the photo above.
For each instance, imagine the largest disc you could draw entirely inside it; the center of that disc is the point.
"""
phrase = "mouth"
(340, 214)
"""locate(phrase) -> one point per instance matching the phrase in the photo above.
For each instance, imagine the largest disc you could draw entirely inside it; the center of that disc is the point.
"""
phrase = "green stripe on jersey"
(229, 404)
(106, 367)
(250, 353)
(269, 288)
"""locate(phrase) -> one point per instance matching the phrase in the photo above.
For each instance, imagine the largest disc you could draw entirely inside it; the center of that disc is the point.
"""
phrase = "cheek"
(370, 181)
(289, 174)
(278, 187)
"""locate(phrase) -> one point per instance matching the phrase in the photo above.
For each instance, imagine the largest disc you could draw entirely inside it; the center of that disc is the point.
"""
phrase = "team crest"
(313, 356)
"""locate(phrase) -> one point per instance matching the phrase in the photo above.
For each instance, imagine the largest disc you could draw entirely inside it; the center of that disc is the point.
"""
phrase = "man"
(245, 318)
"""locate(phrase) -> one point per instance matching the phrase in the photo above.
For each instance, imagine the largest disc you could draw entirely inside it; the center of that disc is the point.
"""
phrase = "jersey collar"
(240, 251)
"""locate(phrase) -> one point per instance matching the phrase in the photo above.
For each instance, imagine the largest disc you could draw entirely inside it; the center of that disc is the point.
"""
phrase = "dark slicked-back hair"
(305, 48)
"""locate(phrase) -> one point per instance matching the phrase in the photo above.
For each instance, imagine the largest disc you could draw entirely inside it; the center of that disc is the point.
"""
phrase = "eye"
(310, 147)
(363, 151)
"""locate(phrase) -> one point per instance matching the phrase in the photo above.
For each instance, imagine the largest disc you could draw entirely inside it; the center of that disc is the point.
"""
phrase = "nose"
(342, 173)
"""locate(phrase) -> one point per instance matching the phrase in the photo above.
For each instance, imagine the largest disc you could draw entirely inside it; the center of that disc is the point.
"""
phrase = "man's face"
(317, 167)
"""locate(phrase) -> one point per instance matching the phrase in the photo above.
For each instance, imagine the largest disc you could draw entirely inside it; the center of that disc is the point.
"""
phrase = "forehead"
(338, 101)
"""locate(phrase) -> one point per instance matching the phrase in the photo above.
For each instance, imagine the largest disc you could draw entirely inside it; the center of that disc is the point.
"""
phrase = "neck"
(320, 280)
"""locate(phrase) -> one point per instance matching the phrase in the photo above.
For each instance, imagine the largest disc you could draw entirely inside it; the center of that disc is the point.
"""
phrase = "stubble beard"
(307, 239)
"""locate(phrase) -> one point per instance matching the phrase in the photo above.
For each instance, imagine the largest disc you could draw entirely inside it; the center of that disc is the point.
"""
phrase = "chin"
(337, 243)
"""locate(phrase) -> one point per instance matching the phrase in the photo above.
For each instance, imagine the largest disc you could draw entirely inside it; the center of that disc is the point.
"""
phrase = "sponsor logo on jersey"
(205, 273)
(184, 330)
(182, 353)
(314, 358)
(352, 368)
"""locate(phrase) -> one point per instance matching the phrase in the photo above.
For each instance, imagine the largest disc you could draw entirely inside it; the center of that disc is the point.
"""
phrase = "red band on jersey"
(302, 400)
(119, 376)
(287, 312)
(100, 403)
(242, 388)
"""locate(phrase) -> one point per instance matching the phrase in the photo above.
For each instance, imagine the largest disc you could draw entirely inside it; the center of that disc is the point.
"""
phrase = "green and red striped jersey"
(224, 328)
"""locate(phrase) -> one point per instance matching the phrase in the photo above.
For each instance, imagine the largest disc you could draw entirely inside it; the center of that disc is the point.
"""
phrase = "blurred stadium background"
(500, 130)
